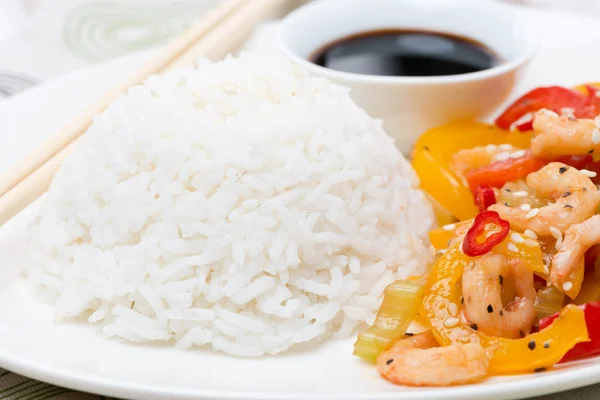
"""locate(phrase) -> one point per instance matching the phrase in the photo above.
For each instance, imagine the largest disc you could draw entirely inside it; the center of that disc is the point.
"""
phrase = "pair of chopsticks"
(218, 33)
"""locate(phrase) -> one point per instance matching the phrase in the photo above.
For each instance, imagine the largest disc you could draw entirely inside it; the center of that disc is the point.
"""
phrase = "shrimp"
(477, 157)
(578, 239)
(418, 361)
(482, 290)
(563, 136)
(574, 196)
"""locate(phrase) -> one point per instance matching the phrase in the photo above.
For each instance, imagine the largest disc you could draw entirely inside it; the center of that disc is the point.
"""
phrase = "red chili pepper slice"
(471, 245)
(484, 197)
(553, 98)
(498, 173)
(592, 320)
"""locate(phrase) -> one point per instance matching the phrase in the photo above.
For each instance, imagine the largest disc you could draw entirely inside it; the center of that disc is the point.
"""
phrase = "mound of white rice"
(241, 204)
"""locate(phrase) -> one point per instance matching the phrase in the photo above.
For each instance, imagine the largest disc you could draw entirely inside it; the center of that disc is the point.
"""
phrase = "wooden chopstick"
(219, 33)
(75, 128)
(230, 34)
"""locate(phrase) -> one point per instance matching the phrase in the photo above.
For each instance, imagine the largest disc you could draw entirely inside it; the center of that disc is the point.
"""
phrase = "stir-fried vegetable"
(477, 242)
(401, 302)
(489, 286)
(549, 300)
(529, 354)
(484, 197)
(592, 320)
(554, 98)
(442, 215)
(433, 152)
(590, 289)
(501, 172)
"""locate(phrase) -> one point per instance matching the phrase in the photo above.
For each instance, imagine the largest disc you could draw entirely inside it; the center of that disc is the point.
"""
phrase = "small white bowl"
(410, 105)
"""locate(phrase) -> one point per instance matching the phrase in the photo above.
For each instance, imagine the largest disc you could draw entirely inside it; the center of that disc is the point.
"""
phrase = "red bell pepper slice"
(592, 320)
(484, 197)
(498, 173)
(471, 245)
(553, 98)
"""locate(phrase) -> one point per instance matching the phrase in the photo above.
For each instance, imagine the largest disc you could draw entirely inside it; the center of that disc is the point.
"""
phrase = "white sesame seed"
(512, 247)
(517, 154)
(515, 237)
(491, 147)
(525, 207)
(558, 243)
(449, 227)
(505, 146)
(502, 156)
(567, 286)
(530, 234)
(567, 111)
(442, 251)
(520, 193)
(598, 94)
(596, 134)
(450, 322)
(546, 270)
(550, 113)
(588, 173)
(531, 243)
(555, 233)
(453, 309)
(597, 120)
(532, 213)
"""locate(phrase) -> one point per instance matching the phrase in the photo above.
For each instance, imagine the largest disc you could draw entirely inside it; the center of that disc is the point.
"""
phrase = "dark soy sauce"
(398, 52)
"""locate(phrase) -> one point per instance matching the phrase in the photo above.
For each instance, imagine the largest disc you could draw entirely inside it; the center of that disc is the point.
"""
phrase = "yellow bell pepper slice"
(433, 152)
(590, 289)
(528, 250)
(511, 356)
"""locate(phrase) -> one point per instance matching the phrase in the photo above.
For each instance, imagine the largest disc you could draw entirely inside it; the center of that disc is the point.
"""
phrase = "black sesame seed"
(501, 278)
(531, 345)
(462, 300)
(508, 190)
(546, 345)
(591, 151)
(542, 369)
(506, 204)
(490, 309)
(522, 334)
(501, 313)
(409, 334)
(568, 206)
(562, 170)
(567, 194)
(426, 148)
(388, 362)
(584, 189)
(474, 327)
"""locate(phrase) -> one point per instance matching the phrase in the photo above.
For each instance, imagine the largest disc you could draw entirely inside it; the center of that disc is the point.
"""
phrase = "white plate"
(77, 356)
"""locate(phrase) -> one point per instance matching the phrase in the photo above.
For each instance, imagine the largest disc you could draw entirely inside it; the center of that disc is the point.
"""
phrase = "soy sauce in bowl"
(399, 52)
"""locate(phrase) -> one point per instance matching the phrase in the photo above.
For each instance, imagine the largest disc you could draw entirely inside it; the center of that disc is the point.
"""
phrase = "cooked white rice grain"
(241, 204)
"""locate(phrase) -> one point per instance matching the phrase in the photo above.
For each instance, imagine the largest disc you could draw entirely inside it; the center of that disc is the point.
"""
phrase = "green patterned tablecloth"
(15, 387)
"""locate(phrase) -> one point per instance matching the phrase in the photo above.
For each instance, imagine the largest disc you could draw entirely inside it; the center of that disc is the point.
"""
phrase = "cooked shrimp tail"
(417, 361)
